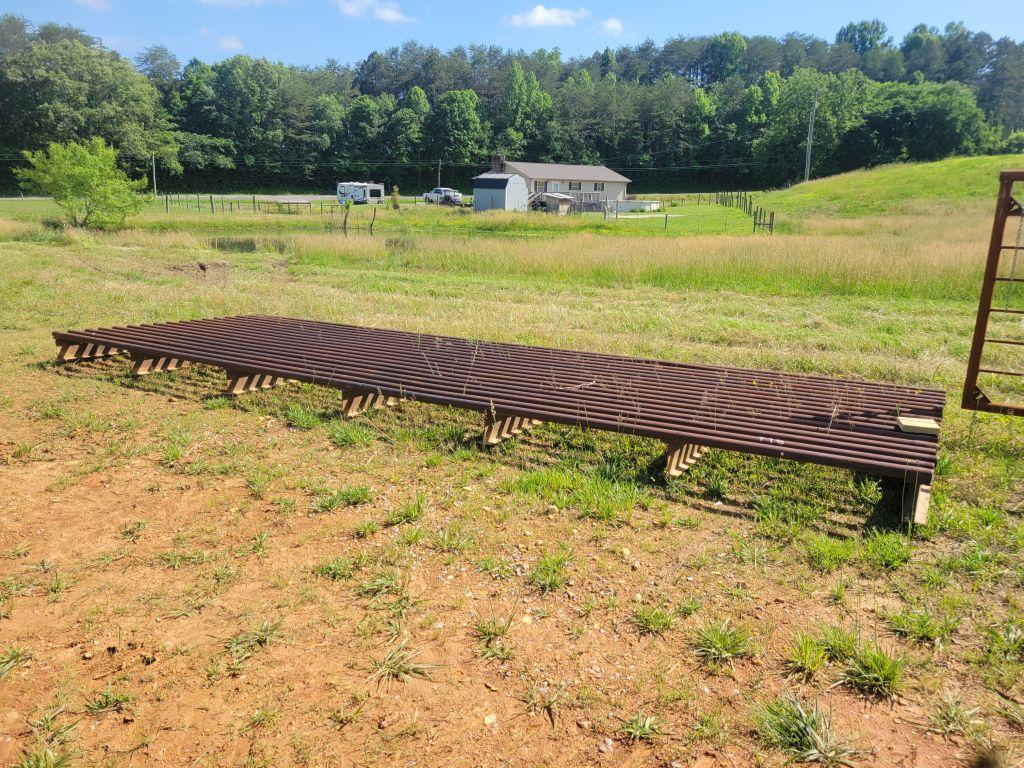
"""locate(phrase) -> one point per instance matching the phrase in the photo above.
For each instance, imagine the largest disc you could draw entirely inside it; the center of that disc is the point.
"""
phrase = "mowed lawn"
(187, 579)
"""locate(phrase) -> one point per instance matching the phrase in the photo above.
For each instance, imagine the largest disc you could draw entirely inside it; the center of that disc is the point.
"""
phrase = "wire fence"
(373, 218)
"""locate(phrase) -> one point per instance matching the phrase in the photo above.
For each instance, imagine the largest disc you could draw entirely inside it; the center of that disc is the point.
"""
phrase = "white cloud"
(612, 27)
(542, 16)
(97, 6)
(230, 43)
(387, 11)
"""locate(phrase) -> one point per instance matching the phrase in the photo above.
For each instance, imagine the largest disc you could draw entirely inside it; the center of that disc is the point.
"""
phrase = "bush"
(85, 182)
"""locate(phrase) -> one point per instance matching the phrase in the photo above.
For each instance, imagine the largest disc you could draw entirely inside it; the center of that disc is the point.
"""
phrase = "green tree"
(457, 135)
(66, 91)
(85, 181)
(865, 36)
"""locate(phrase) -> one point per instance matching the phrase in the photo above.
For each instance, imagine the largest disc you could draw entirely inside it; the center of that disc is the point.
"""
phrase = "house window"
(599, 186)
(575, 186)
(540, 186)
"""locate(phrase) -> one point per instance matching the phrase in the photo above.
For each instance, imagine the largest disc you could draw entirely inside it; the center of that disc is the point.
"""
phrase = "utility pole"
(810, 138)
(153, 158)
(439, 173)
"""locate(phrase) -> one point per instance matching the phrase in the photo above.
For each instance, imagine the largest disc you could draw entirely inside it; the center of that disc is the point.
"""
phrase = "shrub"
(85, 182)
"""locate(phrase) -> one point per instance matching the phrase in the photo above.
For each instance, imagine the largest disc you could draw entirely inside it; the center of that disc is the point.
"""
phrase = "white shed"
(500, 191)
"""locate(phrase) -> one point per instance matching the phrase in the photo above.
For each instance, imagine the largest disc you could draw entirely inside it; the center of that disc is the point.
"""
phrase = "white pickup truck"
(443, 196)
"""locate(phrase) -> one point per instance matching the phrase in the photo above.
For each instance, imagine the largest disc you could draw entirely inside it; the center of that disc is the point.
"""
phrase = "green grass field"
(191, 579)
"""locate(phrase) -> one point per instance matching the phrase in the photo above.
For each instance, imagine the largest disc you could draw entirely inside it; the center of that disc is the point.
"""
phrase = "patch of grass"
(498, 568)
(453, 538)
(641, 727)
(399, 664)
(595, 496)
(806, 734)
(827, 554)
(1004, 642)
(178, 558)
(873, 671)
(838, 642)
(337, 569)
(922, 624)
(44, 756)
(385, 581)
(552, 570)
(343, 497)
(652, 619)
(721, 643)
(243, 645)
(301, 417)
(409, 512)
(345, 434)
(807, 656)
(107, 701)
(885, 550)
(11, 657)
(132, 531)
(491, 632)
(951, 716)
(366, 528)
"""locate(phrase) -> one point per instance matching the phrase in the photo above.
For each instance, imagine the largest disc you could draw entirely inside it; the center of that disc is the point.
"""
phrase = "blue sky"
(311, 31)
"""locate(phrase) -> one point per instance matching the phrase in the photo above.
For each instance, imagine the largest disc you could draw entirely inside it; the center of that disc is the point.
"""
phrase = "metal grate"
(817, 419)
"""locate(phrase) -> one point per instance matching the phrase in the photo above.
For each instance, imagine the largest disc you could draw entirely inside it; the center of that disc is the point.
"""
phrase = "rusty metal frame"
(846, 423)
(974, 398)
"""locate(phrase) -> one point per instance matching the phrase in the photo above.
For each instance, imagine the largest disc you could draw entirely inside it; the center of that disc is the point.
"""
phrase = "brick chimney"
(497, 163)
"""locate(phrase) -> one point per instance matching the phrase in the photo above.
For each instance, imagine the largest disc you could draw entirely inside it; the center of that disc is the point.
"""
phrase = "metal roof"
(566, 172)
(493, 180)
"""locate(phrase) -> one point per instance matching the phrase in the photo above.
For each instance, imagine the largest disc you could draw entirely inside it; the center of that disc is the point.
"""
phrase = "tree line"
(695, 112)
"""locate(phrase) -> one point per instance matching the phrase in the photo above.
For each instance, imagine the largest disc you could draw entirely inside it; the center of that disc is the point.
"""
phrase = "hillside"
(890, 188)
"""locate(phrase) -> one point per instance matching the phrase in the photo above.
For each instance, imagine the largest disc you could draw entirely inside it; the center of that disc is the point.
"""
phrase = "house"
(500, 191)
(584, 183)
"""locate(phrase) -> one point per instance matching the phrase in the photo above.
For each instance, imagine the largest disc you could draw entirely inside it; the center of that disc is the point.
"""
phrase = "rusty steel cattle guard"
(996, 276)
(858, 425)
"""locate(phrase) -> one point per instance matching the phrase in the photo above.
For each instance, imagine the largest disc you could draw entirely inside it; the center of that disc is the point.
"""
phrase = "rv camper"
(360, 192)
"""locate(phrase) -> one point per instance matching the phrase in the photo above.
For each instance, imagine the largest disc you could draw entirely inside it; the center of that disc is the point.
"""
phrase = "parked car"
(443, 196)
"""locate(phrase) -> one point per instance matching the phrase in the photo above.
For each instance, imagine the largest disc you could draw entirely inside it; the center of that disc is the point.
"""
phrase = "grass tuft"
(806, 734)
(873, 672)
(551, 571)
(721, 643)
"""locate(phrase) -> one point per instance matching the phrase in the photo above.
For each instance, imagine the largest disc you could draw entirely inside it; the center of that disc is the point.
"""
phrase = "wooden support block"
(145, 365)
(85, 351)
(915, 503)
(498, 427)
(239, 383)
(354, 404)
(917, 426)
(680, 457)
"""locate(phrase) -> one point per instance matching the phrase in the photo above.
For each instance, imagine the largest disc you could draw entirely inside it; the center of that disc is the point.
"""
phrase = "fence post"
(373, 219)
(212, 209)
(344, 223)
(167, 204)
(771, 224)
(666, 222)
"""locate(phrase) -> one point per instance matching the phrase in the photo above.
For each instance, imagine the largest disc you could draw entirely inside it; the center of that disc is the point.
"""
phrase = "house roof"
(493, 180)
(562, 171)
